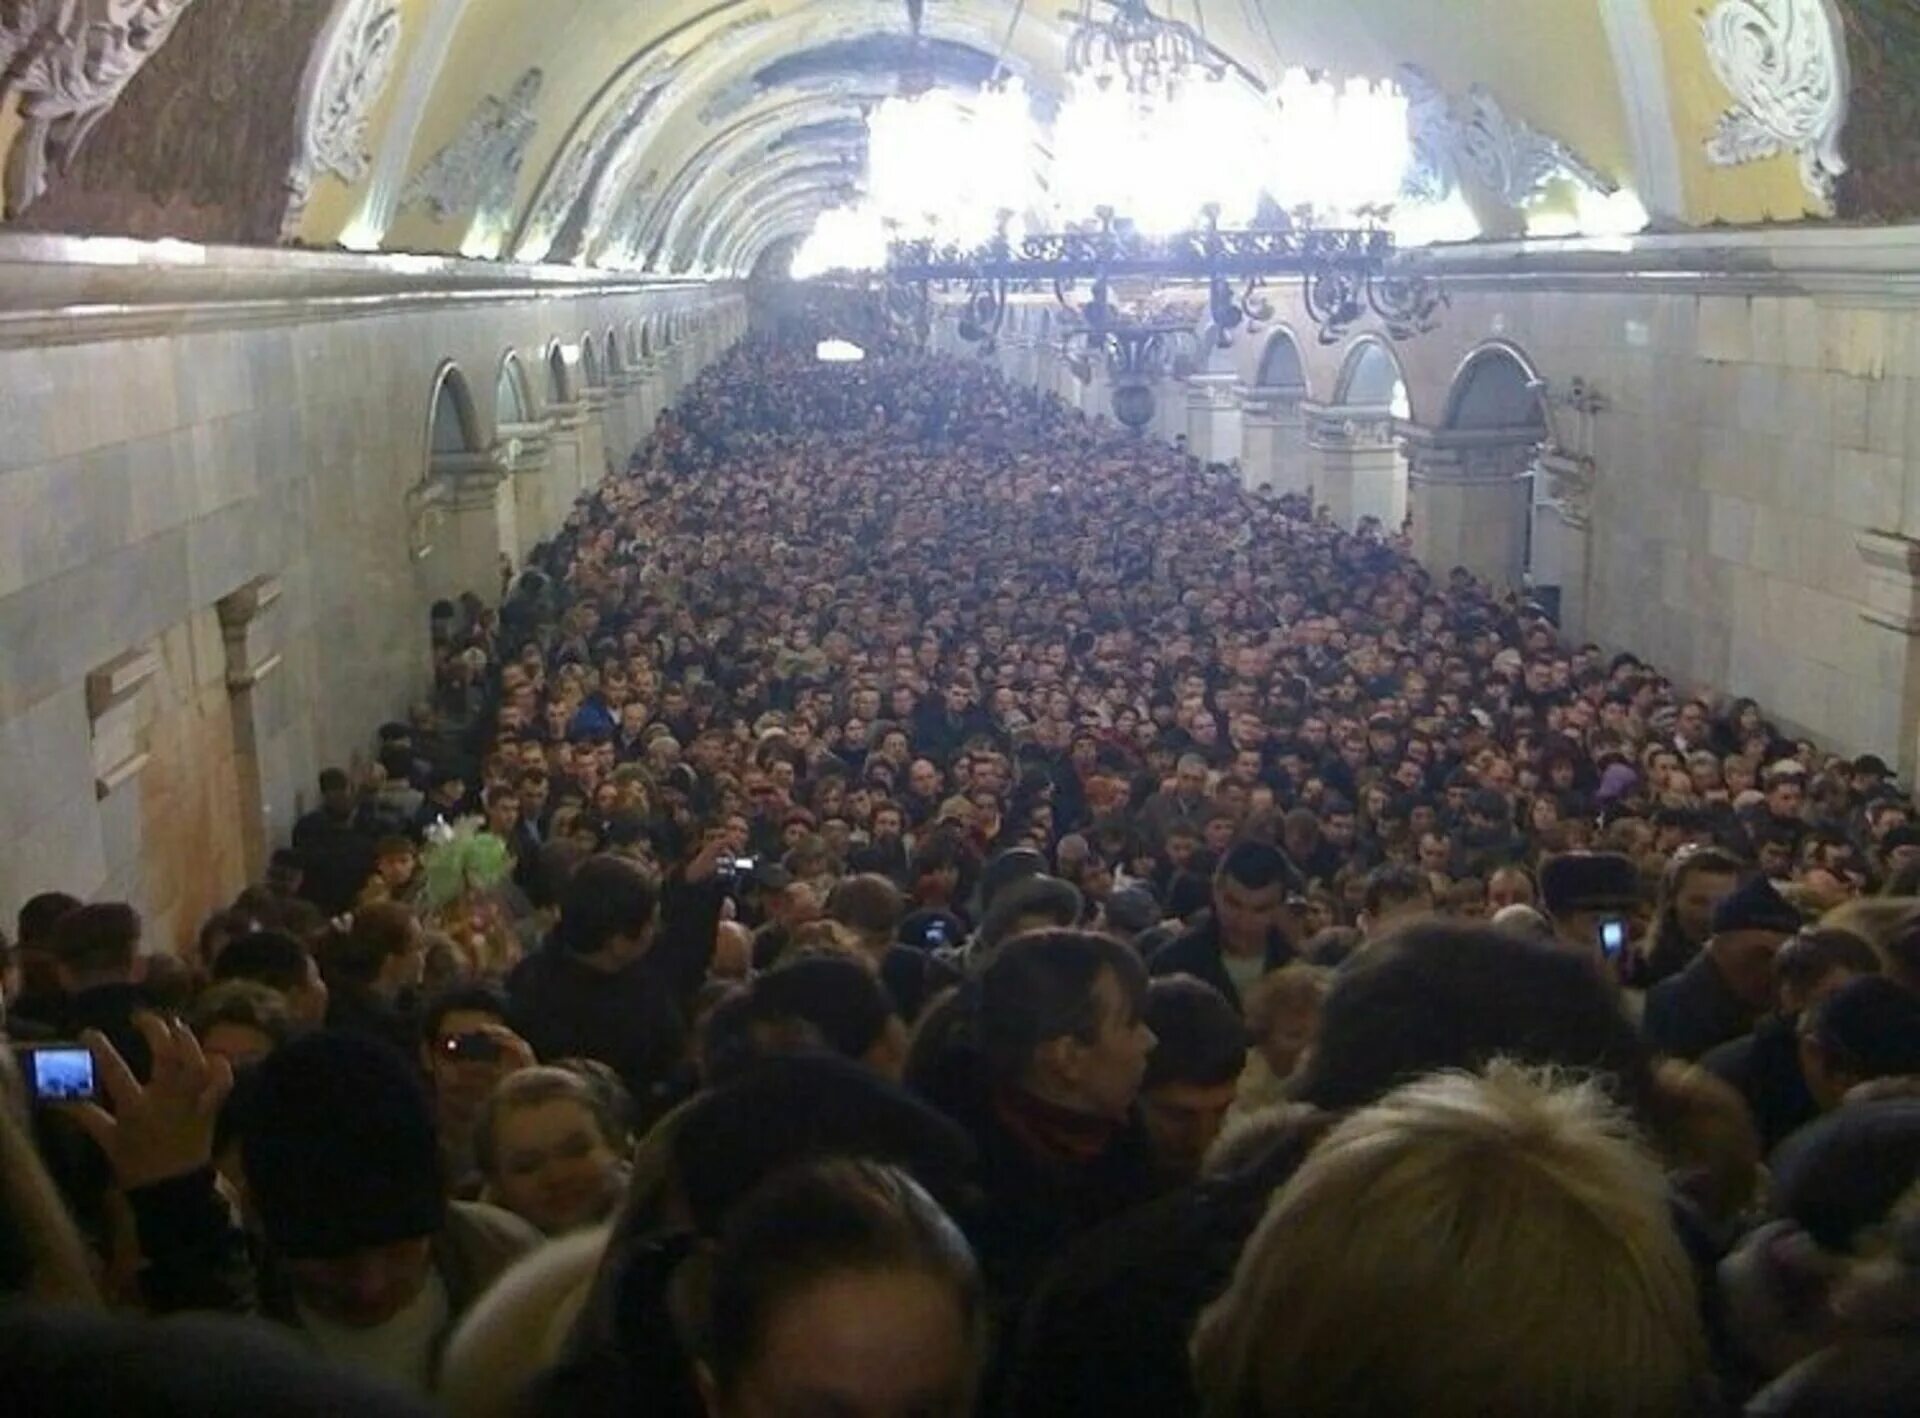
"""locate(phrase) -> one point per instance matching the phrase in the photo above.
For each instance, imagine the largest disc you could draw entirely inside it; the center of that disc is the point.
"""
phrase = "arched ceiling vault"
(615, 132)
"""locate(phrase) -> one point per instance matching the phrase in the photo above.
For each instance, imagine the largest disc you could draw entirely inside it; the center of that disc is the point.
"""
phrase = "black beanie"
(1756, 907)
(338, 1142)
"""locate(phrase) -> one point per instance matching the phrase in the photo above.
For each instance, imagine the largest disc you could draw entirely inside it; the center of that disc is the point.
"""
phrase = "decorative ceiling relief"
(588, 157)
(1475, 140)
(351, 67)
(479, 171)
(68, 64)
(1785, 63)
(622, 248)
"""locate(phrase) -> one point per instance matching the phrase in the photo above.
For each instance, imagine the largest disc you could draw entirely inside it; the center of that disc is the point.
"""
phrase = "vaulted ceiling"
(688, 136)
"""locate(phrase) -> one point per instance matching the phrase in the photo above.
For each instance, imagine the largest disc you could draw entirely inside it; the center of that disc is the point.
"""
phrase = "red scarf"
(1050, 1132)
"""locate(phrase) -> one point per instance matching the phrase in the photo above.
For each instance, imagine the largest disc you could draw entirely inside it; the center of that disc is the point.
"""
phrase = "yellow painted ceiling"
(709, 175)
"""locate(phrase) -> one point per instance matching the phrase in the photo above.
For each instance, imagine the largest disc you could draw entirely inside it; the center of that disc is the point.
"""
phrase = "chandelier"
(1344, 275)
(1138, 50)
(1169, 164)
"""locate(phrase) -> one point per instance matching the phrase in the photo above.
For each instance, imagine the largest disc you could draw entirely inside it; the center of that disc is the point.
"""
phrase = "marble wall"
(154, 471)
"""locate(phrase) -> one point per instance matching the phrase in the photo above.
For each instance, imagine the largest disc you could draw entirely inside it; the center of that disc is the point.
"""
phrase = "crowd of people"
(916, 902)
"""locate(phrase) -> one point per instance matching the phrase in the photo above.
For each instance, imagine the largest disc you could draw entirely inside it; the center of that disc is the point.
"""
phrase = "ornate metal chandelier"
(1345, 275)
(1165, 162)
(1138, 49)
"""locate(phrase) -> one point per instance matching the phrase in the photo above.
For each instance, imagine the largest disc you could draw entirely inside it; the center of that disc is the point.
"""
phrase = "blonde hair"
(1493, 1246)
(1707, 1135)
(1293, 987)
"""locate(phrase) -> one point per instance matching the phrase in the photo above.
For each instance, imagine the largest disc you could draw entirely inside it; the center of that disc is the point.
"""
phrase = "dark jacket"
(1106, 1331)
(1764, 1068)
(76, 1364)
(336, 858)
(357, 1009)
(1197, 953)
(1033, 1205)
(1694, 1011)
(633, 1019)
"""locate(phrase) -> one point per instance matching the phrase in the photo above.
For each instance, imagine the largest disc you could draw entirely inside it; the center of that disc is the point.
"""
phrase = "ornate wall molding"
(479, 171)
(1785, 63)
(68, 64)
(1474, 139)
(351, 67)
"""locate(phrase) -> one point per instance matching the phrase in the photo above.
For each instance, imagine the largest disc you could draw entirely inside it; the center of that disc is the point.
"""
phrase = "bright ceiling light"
(943, 165)
(842, 239)
(1619, 213)
(1342, 148)
(1434, 223)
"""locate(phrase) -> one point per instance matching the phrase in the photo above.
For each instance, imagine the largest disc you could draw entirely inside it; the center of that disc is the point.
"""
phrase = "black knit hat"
(338, 1142)
(1756, 907)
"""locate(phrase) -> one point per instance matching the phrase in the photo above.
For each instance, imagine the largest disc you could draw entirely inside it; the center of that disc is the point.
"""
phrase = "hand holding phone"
(1613, 938)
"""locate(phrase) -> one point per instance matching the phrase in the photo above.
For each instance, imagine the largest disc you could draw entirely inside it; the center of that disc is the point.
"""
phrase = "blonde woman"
(1494, 1246)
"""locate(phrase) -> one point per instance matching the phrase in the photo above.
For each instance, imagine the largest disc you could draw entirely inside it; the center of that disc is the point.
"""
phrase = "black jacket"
(633, 1019)
(1694, 1011)
(1107, 1329)
(336, 858)
(1197, 953)
(1032, 1206)
(1764, 1067)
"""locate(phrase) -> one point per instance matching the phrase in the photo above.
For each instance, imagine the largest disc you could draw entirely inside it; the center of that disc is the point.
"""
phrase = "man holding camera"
(466, 1048)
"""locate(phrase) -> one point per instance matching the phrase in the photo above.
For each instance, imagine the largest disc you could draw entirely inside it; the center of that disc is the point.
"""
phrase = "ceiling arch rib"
(697, 246)
(803, 204)
(686, 75)
(810, 199)
(701, 93)
(709, 172)
(706, 213)
(654, 218)
(716, 240)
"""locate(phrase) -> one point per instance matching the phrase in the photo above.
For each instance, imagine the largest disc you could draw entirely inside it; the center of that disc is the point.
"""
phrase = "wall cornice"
(1877, 264)
(64, 290)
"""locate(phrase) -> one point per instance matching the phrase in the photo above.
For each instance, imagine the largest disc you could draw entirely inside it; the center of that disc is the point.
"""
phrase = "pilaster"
(1362, 472)
(1273, 434)
(1468, 492)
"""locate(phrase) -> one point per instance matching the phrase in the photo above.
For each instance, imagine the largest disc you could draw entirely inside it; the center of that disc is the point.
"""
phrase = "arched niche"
(1496, 387)
(590, 371)
(616, 356)
(648, 340)
(1491, 432)
(453, 424)
(512, 398)
(460, 516)
(1280, 364)
(1371, 378)
(559, 376)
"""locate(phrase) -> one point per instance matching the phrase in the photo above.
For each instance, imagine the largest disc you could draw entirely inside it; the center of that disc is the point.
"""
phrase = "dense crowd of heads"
(918, 902)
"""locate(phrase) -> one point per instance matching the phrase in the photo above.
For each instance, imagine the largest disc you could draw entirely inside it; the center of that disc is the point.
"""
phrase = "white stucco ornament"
(68, 62)
(355, 59)
(1785, 63)
(1474, 138)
